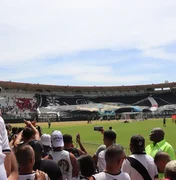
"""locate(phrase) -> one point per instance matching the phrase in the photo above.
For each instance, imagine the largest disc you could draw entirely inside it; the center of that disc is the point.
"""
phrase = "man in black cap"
(139, 165)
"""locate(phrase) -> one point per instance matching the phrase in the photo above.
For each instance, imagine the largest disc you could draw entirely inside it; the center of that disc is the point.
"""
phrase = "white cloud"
(160, 53)
(74, 73)
(70, 69)
(33, 29)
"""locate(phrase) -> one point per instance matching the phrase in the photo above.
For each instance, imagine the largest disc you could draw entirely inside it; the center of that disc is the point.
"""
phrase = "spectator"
(37, 147)
(46, 142)
(170, 170)
(110, 128)
(46, 165)
(161, 159)
(139, 165)
(159, 144)
(164, 121)
(114, 157)
(49, 123)
(68, 145)
(28, 134)
(95, 156)
(109, 137)
(23, 137)
(11, 166)
(86, 167)
(100, 148)
(20, 129)
(26, 159)
(8, 166)
(65, 160)
(39, 129)
(9, 128)
(14, 131)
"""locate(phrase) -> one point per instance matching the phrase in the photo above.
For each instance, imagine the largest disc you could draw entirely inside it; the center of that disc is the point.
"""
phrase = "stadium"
(87, 90)
(72, 103)
(63, 104)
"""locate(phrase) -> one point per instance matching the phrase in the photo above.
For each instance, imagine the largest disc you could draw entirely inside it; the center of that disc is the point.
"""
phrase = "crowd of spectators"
(27, 154)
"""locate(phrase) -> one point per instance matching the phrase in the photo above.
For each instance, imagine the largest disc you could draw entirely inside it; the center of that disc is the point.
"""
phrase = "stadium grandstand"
(25, 100)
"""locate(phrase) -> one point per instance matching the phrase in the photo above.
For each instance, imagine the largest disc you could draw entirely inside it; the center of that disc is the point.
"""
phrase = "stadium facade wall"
(19, 102)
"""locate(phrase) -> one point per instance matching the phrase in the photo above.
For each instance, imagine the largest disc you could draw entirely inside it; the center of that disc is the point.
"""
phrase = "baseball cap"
(46, 140)
(57, 139)
(137, 141)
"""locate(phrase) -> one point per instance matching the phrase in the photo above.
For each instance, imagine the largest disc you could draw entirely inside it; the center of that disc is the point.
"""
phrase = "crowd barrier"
(92, 147)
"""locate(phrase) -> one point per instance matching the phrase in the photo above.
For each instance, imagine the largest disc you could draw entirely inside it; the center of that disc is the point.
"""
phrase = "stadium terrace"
(25, 100)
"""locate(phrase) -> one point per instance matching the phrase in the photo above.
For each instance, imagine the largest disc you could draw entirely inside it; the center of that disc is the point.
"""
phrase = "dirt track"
(77, 123)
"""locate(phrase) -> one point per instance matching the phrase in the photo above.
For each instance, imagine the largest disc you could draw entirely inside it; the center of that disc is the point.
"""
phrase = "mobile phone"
(98, 128)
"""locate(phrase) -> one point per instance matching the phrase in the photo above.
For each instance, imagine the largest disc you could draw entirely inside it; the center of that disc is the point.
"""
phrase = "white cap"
(57, 139)
(46, 140)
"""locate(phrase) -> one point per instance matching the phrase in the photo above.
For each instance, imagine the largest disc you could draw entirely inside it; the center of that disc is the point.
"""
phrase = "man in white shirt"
(26, 159)
(7, 158)
(114, 157)
(139, 165)
(65, 160)
(109, 137)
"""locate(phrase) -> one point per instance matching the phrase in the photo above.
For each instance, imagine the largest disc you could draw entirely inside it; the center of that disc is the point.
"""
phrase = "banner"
(174, 116)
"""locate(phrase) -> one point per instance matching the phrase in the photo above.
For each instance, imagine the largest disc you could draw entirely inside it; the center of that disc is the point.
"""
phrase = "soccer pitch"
(92, 139)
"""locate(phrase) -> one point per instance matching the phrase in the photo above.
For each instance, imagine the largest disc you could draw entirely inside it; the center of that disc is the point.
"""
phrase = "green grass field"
(124, 131)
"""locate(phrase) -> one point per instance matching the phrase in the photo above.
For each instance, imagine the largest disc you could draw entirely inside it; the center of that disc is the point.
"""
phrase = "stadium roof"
(44, 87)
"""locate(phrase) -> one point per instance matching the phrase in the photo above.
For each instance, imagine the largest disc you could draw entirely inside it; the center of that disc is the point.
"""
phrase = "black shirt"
(74, 151)
(50, 167)
(46, 150)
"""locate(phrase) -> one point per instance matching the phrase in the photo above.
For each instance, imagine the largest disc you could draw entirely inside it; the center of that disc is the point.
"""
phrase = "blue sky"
(95, 42)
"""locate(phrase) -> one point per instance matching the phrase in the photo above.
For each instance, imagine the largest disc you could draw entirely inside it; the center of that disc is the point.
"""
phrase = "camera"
(98, 128)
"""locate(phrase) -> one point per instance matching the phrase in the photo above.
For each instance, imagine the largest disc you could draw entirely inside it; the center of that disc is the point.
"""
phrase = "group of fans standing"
(30, 155)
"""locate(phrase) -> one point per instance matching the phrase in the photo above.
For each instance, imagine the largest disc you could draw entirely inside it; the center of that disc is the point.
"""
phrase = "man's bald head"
(158, 130)
(157, 135)
(114, 155)
(161, 159)
(170, 170)
(162, 156)
(25, 155)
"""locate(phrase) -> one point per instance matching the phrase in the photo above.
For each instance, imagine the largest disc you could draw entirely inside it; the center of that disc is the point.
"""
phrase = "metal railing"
(92, 147)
